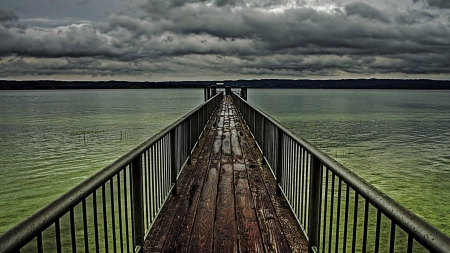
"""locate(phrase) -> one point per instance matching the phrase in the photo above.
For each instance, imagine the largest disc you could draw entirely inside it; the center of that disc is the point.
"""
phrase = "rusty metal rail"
(338, 210)
(113, 210)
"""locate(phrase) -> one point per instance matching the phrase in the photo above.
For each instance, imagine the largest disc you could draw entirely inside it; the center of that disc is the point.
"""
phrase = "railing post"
(263, 135)
(314, 204)
(138, 204)
(173, 161)
(189, 137)
(244, 93)
(279, 161)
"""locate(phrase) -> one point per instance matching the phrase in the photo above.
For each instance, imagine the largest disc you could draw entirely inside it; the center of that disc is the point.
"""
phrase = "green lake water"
(397, 140)
(53, 140)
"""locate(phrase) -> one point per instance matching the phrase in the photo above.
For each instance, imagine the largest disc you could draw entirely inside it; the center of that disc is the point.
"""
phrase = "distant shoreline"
(416, 84)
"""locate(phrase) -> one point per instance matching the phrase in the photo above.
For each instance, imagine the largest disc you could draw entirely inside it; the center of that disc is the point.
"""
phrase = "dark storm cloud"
(7, 15)
(365, 11)
(71, 41)
(439, 3)
(230, 38)
(444, 4)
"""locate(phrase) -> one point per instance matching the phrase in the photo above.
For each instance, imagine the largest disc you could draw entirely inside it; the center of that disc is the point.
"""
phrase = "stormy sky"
(154, 40)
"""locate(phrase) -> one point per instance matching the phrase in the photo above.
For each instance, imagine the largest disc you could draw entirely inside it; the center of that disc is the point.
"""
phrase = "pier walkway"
(226, 199)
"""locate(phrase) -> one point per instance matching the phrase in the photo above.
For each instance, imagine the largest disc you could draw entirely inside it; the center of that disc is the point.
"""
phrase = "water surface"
(398, 140)
(53, 140)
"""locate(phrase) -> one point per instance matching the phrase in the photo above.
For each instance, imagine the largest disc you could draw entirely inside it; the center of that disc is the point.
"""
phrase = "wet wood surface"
(226, 199)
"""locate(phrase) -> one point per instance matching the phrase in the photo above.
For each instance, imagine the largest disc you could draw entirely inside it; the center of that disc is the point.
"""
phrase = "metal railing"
(338, 211)
(113, 210)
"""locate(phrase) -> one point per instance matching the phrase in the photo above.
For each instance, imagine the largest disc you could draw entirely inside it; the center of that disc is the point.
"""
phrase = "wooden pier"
(226, 199)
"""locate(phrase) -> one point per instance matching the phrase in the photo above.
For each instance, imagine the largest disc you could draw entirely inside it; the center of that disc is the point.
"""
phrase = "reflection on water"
(53, 140)
(397, 140)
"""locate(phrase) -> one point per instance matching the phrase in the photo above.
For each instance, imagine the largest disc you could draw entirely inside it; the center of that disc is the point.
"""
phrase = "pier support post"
(207, 93)
(279, 172)
(244, 93)
(138, 203)
(227, 90)
(213, 91)
(314, 204)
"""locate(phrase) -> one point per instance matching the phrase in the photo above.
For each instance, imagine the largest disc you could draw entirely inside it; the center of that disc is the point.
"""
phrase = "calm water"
(53, 140)
(399, 141)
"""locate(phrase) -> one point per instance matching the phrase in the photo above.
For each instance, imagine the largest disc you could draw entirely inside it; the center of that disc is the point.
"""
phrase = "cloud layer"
(230, 39)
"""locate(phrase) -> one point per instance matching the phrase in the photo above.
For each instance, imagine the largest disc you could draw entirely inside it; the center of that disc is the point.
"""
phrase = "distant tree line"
(264, 83)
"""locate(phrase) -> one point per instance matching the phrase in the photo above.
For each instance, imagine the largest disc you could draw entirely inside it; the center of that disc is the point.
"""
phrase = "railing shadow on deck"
(113, 210)
(338, 210)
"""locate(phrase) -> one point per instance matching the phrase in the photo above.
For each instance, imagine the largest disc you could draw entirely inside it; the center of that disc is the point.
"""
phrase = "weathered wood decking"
(226, 199)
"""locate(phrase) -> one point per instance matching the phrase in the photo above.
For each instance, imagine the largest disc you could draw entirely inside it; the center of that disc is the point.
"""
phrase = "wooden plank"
(179, 234)
(294, 235)
(249, 237)
(271, 230)
(279, 229)
(217, 148)
(203, 228)
(160, 229)
(226, 238)
(235, 144)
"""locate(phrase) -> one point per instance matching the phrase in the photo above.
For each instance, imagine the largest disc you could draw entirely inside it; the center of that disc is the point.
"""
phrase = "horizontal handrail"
(141, 179)
(307, 178)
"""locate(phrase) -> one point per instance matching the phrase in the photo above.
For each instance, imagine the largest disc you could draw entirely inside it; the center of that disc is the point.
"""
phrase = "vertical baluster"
(173, 152)
(58, 236)
(410, 244)
(149, 187)
(94, 210)
(355, 223)
(289, 168)
(392, 239)
(40, 247)
(263, 142)
(147, 219)
(125, 199)
(138, 217)
(366, 224)
(152, 181)
(297, 178)
(325, 208)
(302, 183)
(105, 218)
(319, 225)
(160, 173)
(338, 216)
(155, 180)
(113, 214)
(330, 233)
(377, 231)
(167, 154)
(279, 166)
(347, 200)
(72, 230)
(189, 139)
(119, 211)
(315, 198)
(85, 226)
(307, 185)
